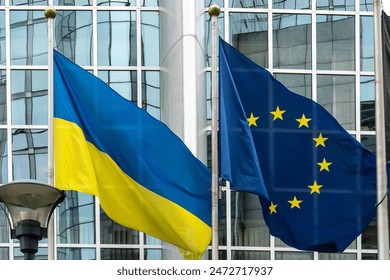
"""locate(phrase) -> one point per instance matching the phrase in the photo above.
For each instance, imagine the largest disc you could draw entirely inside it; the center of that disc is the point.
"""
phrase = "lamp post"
(30, 205)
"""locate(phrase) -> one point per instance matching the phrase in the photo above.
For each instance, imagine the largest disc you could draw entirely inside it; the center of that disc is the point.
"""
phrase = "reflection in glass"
(150, 3)
(3, 97)
(113, 233)
(123, 82)
(76, 254)
(337, 5)
(150, 240)
(337, 256)
(131, 3)
(250, 255)
(151, 92)
(247, 4)
(29, 96)
(337, 95)
(28, 38)
(367, 103)
(298, 83)
(119, 254)
(248, 225)
(117, 38)
(28, 2)
(366, 5)
(153, 254)
(370, 235)
(291, 4)
(4, 253)
(250, 36)
(150, 38)
(2, 38)
(72, 2)
(294, 256)
(369, 142)
(73, 33)
(4, 225)
(292, 41)
(367, 43)
(3, 159)
(76, 219)
(335, 42)
(29, 154)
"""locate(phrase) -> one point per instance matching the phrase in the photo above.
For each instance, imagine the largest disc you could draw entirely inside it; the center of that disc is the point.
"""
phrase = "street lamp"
(30, 205)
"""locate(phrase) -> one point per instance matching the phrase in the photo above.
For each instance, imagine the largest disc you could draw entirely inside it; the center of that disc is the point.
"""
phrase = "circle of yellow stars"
(303, 122)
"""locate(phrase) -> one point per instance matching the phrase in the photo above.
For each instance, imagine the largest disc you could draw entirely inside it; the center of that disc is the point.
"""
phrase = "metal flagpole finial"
(50, 12)
(214, 10)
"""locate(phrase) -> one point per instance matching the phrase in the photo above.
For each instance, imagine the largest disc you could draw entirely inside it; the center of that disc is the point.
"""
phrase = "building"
(157, 54)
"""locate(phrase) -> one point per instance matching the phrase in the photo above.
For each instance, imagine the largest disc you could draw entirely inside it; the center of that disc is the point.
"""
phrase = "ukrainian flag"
(144, 175)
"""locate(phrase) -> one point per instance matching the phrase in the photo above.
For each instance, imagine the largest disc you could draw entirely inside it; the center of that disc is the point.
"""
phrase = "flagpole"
(214, 11)
(50, 14)
(382, 208)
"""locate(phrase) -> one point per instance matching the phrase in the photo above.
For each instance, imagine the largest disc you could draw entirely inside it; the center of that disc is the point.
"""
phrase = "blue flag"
(317, 184)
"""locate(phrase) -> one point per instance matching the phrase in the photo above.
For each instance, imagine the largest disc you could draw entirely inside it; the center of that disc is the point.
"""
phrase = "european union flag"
(317, 184)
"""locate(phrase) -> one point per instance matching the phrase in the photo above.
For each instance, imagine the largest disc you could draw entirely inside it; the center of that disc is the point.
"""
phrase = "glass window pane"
(2, 37)
(249, 32)
(298, 83)
(369, 142)
(28, 2)
(131, 3)
(119, 254)
(367, 103)
(153, 254)
(73, 32)
(337, 95)
(245, 3)
(370, 236)
(367, 43)
(150, 3)
(250, 255)
(292, 41)
(150, 38)
(40, 255)
(366, 5)
(4, 253)
(28, 38)
(150, 240)
(3, 158)
(294, 256)
(117, 38)
(248, 225)
(29, 154)
(72, 2)
(123, 82)
(76, 219)
(335, 42)
(29, 96)
(337, 256)
(3, 97)
(4, 226)
(291, 4)
(151, 92)
(337, 5)
(76, 254)
(113, 233)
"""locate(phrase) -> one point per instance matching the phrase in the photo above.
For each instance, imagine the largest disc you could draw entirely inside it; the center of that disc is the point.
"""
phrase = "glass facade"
(321, 49)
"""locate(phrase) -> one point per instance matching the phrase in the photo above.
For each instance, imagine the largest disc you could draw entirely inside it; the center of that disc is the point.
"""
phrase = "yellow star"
(324, 165)
(320, 140)
(295, 203)
(303, 121)
(278, 114)
(315, 188)
(252, 120)
(272, 208)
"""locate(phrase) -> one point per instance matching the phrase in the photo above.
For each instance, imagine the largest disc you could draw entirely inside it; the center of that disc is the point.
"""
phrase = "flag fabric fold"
(144, 175)
(316, 183)
(386, 77)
